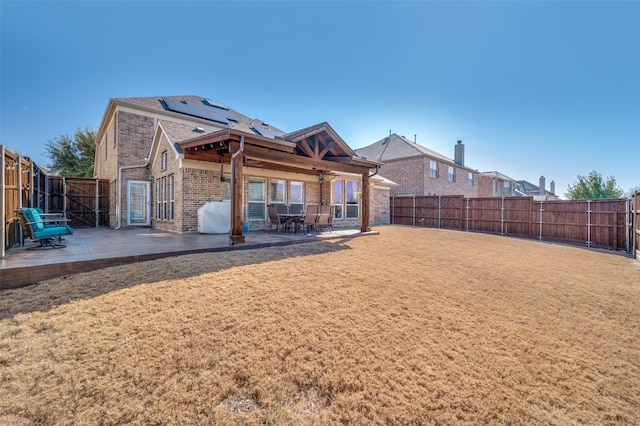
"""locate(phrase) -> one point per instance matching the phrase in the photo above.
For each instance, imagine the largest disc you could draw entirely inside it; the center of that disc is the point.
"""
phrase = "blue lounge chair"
(33, 228)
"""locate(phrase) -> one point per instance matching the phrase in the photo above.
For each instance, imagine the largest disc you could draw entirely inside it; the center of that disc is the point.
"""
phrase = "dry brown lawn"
(412, 326)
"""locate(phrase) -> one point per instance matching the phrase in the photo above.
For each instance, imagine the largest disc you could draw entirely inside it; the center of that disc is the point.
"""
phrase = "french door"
(138, 203)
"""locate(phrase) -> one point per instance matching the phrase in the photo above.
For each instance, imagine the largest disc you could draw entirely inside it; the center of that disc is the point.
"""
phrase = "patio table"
(288, 219)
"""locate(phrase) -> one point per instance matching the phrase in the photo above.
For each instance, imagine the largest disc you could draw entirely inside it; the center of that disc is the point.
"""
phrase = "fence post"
(541, 209)
(64, 196)
(531, 217)
(97, 209)
(414, 211)
(502, 217)
(393, 210)
(588, 223)
(439, 210)
(467, 215)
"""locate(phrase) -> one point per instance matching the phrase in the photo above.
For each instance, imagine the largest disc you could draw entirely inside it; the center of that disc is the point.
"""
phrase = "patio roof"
(310, 150)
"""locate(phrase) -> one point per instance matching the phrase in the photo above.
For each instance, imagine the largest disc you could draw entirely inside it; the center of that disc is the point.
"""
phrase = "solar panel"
(216, 104)
(199, 110)
(267, 133)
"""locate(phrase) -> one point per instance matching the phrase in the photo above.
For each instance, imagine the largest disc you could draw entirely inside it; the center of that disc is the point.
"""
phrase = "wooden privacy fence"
(634, 213)
(595, 223)
(85, 201)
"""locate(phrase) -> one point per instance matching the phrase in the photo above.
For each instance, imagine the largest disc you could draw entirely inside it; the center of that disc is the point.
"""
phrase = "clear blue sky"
(532, 88)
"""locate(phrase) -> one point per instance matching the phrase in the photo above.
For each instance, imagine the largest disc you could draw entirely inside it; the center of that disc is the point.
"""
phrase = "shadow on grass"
(57, 291)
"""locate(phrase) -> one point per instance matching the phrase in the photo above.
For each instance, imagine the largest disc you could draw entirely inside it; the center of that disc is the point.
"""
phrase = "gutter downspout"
(119, 201)
(233, 183)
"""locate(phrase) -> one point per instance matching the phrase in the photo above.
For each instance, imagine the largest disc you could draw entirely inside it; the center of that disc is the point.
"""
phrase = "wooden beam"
(365, 200)
(237, 181)
(213, 156)
(325, 150)
(299, 161)
(316, 147)
(304, 146)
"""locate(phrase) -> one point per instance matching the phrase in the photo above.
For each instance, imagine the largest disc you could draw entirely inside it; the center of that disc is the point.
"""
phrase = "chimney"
(542, 191)
(415, 138)
(552, 187)
(459, 153)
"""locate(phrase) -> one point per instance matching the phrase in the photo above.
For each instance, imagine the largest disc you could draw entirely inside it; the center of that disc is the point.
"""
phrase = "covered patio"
(94, 248)
(316, 151)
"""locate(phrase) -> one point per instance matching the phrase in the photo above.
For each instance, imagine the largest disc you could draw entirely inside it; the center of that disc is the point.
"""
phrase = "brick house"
(539, 193)
(418, 170)
(496, 184)
(167, 156)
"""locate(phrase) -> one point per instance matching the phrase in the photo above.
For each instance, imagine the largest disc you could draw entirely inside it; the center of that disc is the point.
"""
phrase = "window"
(352, 199)
(506, 187)
(165, 209)
(257, 199)
(338, 197)
(226, 187)
(164, 197)
(470, 179)
(433, 169)
(296, 192)
(163, 163)
(171, 200)
(452, 174)
(278, 192)
(158, 199)
(346, 199)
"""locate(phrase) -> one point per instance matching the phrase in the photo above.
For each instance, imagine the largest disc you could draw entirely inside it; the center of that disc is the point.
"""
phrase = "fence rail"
(603, 224)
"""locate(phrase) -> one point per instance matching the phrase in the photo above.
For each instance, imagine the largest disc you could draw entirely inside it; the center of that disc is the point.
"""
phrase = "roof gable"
(396, 147)
(319, 141)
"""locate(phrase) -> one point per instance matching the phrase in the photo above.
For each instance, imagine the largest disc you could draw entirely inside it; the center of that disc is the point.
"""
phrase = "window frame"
(291, 192)
(345, 198)
(262, 202)
(433, 169)
(163, 160)
(279, 184)
(451, 174)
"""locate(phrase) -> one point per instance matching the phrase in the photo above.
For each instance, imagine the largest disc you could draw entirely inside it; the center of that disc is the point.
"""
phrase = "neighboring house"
(539, 193)
(495, 184)
(418, 170)
(167, 156)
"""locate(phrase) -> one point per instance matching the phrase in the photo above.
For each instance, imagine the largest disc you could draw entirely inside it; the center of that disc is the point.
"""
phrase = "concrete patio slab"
(93, 248)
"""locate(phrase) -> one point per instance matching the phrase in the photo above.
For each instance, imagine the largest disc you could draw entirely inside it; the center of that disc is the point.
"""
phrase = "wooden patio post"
(236, 199)
(365, 198)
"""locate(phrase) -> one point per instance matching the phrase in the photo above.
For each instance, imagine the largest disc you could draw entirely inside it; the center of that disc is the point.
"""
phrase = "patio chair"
(34, 229)
(310, 218)
(51, 219)
(325, 217)
(274, 219)
(324, 221)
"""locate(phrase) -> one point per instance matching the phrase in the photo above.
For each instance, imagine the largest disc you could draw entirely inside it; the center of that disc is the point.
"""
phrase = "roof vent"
(199, 130)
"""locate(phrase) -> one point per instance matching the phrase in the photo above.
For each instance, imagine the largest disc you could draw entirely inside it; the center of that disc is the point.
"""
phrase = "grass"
(413, 326)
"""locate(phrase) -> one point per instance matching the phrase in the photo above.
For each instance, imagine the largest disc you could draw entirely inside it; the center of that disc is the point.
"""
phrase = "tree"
(592, 187)
(73, 157)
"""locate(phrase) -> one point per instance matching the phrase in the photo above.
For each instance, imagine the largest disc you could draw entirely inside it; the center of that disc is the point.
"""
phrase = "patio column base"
(237, 239)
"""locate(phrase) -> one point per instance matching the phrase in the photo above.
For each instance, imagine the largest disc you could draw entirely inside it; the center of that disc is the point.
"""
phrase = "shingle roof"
(153, 103)
(497, 175)
(396, 147)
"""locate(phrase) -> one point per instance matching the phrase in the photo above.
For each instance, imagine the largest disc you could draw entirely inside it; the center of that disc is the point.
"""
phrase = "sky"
(531, 88)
